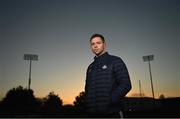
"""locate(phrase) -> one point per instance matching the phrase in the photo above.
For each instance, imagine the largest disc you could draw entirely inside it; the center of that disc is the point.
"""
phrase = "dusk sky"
(58, 31)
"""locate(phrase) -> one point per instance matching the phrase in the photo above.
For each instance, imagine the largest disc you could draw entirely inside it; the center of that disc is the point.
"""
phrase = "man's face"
(97, 46)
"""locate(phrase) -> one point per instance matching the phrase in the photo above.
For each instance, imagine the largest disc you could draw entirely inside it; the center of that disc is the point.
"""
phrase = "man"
(107, 81)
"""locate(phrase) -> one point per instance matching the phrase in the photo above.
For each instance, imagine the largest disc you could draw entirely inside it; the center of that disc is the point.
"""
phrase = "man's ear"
(104, 45)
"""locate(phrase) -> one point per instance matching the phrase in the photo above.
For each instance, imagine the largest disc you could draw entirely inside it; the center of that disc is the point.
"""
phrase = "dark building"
(139, 104)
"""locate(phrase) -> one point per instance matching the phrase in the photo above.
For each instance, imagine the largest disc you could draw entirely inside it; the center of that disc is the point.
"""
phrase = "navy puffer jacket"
(107, 82)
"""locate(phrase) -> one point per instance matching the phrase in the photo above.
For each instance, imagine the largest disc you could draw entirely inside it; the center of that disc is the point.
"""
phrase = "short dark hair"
(98, 35)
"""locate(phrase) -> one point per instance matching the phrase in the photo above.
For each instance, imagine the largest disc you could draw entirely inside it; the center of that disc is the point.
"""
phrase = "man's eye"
(92, 43)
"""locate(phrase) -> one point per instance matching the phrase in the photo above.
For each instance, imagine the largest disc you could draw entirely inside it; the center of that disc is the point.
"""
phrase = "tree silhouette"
(79, 102)
(52, 105)
(19, 101)
(161, 96)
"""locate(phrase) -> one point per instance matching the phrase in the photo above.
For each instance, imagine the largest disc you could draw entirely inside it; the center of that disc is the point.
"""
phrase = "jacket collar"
(101, 57)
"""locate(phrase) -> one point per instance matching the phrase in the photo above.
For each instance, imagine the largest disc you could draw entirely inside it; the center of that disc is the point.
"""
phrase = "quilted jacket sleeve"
(122, 80)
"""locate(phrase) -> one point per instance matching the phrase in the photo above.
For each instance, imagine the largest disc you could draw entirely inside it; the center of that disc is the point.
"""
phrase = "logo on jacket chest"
(94, 68)
(104, 67)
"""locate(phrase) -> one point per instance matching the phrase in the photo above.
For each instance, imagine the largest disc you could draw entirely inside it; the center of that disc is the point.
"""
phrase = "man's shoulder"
(114, 58)
(90, 65)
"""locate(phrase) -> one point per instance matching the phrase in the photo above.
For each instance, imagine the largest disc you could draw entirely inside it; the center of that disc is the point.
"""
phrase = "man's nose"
(95, 46)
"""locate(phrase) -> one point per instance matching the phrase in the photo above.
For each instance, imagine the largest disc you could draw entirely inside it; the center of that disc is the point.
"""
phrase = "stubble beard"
(99, 54)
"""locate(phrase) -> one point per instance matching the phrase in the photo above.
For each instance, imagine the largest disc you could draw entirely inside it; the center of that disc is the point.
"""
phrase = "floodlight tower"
(140, 91)
(149, 58)
(30, 57)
